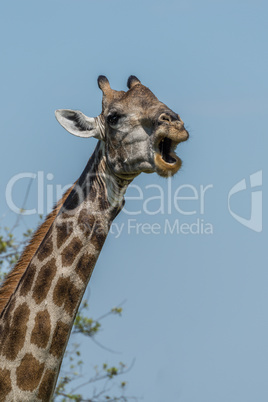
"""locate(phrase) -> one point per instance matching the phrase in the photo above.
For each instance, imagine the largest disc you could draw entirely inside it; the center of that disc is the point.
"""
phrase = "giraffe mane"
(10, 283)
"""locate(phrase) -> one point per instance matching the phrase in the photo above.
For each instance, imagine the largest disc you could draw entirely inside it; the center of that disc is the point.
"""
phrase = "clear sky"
(195, 317)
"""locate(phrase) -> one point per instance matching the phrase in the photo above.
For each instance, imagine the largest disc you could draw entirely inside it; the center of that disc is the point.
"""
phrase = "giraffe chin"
(166, 169)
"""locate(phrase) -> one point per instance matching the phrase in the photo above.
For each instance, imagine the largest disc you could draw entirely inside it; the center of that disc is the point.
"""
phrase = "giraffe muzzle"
(167, 162)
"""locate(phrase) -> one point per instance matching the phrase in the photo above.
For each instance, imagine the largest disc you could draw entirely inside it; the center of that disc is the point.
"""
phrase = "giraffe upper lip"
(167, 141)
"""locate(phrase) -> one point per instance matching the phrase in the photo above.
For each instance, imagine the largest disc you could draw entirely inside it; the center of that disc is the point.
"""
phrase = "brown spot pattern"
(73, 201)
(44, 279)
(5, 383)
(29, 373)
(60, 338)
(103, 202)
(66, 215)
(8, 312)
(42, 328)
(92, 194)
(64, 230)
(86, 222)
(71, 251)
(15, 275)
(66, 294)
(46, 248)
(14, 332)
(98, 237)
(47, 385)
(85, 266)
(27, 280)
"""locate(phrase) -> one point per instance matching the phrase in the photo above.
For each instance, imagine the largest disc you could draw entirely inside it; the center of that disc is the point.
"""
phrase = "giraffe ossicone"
(39, 299)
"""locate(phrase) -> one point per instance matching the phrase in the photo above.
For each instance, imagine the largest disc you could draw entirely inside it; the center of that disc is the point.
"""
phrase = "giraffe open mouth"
(167, 147)
(167, 163)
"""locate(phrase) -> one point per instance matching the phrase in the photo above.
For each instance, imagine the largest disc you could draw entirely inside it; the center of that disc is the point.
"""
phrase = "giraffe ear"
(78, 124)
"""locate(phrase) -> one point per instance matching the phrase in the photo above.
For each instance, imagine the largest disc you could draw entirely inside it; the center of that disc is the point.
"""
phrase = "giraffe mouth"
(167, 163)
(166, 149)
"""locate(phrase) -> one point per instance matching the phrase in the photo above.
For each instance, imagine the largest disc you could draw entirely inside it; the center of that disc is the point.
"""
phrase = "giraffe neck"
(36, 323)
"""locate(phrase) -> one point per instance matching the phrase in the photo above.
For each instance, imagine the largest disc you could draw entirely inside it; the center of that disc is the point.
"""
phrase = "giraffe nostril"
(167, 117)
(164, 117)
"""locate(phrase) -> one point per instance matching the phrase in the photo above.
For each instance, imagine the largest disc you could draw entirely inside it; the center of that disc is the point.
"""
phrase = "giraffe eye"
(113, 118)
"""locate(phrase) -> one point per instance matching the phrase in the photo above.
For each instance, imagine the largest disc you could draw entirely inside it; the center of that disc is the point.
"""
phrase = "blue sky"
(195, 317)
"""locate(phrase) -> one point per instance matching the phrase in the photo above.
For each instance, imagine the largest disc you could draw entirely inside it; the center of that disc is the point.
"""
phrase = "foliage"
(72, 378)
(10, 249)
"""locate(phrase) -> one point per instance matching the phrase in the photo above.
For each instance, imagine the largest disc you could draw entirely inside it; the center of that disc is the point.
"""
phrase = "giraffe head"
(140, 133)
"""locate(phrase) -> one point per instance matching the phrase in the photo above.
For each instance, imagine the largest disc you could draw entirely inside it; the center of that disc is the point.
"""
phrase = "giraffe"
(40, 297)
